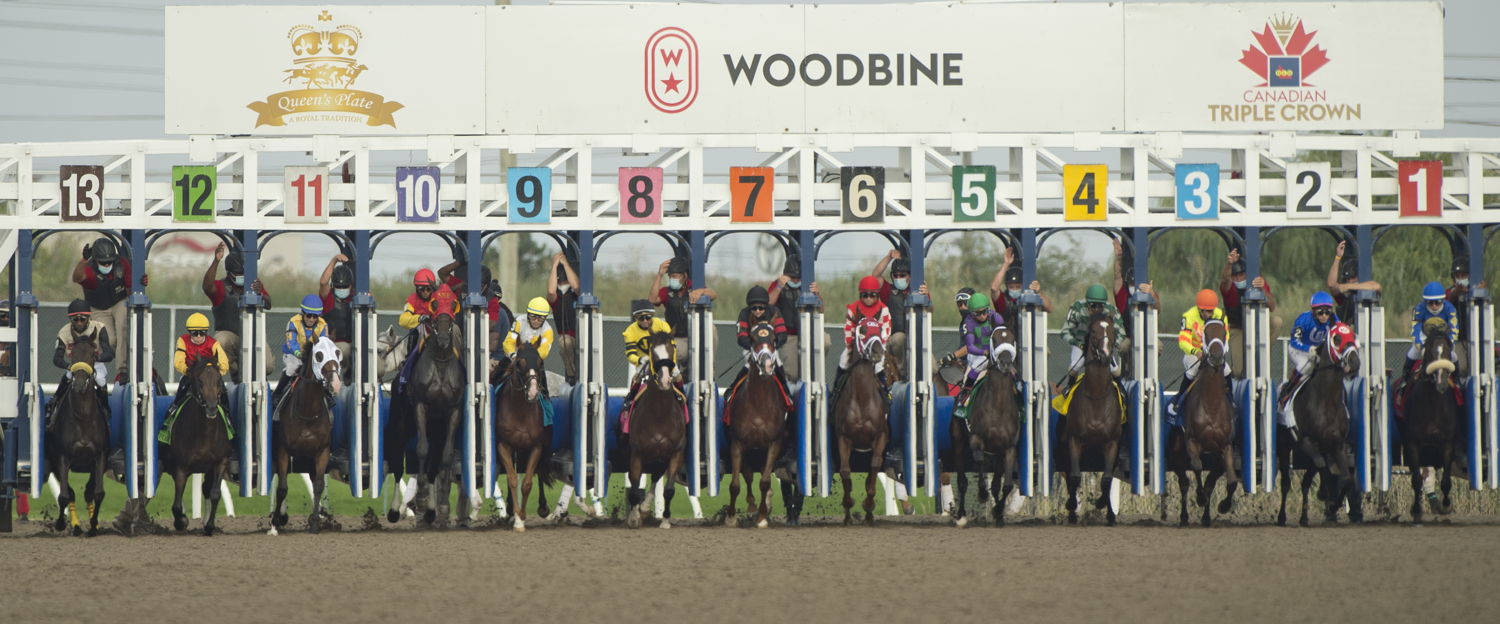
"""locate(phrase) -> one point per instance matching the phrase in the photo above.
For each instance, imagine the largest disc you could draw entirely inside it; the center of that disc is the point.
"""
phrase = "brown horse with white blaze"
(758, 422)
(519, 429)
(304, 428)
(658, 431)
(1207, 428)
(860, 421)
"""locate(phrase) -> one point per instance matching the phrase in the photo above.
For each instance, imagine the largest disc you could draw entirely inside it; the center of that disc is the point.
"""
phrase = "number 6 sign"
(864, 194)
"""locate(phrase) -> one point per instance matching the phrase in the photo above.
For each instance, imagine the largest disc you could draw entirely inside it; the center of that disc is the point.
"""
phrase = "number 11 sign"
(306, 194)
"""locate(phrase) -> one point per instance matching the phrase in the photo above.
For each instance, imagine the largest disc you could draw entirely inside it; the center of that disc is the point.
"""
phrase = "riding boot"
(1409, 370)
(961, 403)
(838, 385)
(786, 388)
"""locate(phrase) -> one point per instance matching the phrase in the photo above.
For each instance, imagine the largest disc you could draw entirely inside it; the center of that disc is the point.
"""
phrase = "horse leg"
(1232, 479)
(94, 494)
(1106, 479)
(1413, 465)
(1003, 483)
(179, 481)
(447, 475)
(635, 493)
(1307, 477)
(320, 468)
(64, 495)
(424, 471)
(736, 455)
(1184, 486)
(877, 461)
(844, 450)
(976, 446)
(1208, 495)
(1075, 477)
(669, 489)
(956, 431)
(508, 459)
(765, 484)
(211, 482)
(278, 515)
(532, 459)
(1284, 465)
(1447, 482)
(748, 476)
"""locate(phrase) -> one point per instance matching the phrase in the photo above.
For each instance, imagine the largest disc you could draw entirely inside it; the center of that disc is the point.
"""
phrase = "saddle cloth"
(1061, 403)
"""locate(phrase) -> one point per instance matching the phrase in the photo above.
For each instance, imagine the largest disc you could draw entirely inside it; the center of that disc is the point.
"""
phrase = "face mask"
(237, 280)
(341, 293)
(1241, 284)
(106, 269)
(795, 284)
(1464, 281)
(674, 283)
(1014, 293)
(562, 288)
(900, 283)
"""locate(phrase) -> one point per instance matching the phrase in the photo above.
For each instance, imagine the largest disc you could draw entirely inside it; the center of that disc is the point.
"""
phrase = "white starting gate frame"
(474, 197)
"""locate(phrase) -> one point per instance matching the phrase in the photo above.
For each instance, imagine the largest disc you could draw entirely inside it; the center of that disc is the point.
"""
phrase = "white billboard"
(1284, 66)
(290, 70)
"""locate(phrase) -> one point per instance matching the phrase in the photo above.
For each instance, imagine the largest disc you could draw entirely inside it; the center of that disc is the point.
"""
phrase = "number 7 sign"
(750, 194)
(1421, 185)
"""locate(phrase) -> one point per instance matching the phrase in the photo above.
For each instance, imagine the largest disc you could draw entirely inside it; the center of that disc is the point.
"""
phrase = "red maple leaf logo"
(1297, 43)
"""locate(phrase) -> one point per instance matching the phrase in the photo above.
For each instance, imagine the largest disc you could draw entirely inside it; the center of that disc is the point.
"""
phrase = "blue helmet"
(1321, 298)
(312, 304)
(1433, 291)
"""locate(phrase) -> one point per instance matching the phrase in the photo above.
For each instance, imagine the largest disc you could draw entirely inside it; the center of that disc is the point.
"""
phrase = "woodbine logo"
(323, 61)
(1284, 56)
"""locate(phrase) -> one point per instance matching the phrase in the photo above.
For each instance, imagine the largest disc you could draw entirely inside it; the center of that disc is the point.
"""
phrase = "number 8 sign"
(417, 194)
(640, 195)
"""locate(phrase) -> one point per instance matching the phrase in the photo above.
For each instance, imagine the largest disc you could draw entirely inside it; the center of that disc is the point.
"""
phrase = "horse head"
(1003, 350)
(1215, 344)
(663, 352)
(323, 357)
(526, 371)
(84, 354)
(1437, 353)
(206, 383)
(763, 351)
(442, 332)
(869, 341)
(1101, 341)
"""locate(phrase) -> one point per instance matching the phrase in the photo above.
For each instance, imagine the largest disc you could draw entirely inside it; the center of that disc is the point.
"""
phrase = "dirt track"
(899, 571)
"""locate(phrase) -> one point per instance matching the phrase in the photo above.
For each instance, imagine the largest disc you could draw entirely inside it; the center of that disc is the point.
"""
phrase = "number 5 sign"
(864, 194)
(1421, 183)
(306, 197)
(974, 193)
(417, 194)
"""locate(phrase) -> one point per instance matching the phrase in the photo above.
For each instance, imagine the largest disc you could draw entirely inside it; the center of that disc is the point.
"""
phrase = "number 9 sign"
(640, 194)
(530, 194)
(864, 194)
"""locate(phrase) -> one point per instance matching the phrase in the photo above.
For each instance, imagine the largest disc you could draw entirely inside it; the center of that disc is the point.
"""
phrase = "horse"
(860, 421)
(759, 423)
(1431, 417)
(1207, 428)
(431, 408)
(387, 356)
(1094, 418)
(993, 427)
(304, 428)
(519, 429)
(200, 441)
(78, 437)
(658, 433)
(1323, 419)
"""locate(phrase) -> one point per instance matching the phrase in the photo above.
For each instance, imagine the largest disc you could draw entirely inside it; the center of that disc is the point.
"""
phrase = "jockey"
(418, 306)
(536, 331)
(976, 332)
(1310, 329)
(867, 307)
(637, 335)
(758, 310)
(302, 331)
(1076, 329)
(196, 344)
(82, 326)
(1434, 305)
(961, 300)
(1190, 340)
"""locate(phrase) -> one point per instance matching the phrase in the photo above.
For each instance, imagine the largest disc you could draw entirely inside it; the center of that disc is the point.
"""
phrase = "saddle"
(961, 402)
(1404, 385)
(164, 436)
(633, 399)
(1063, 402)
(786, 398)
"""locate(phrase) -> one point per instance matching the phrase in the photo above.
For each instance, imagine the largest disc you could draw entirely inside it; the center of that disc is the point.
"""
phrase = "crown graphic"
(1284, 24)
(323, 56)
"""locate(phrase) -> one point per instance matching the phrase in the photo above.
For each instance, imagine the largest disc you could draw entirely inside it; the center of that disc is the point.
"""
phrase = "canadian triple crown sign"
(323, 63)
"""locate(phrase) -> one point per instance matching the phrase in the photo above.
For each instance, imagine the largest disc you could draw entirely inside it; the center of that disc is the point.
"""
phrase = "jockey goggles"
(1322, 310)
(757, 308)
(197, 332)
(868, 294)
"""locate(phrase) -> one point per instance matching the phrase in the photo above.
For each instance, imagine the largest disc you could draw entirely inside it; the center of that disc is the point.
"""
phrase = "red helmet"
(869, 282)
(425, 277)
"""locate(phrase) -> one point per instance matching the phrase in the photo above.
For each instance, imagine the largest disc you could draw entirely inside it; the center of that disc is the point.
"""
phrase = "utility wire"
(118, 69)
(90, 28)
(72, 118)
(70, 84)
(85, 6)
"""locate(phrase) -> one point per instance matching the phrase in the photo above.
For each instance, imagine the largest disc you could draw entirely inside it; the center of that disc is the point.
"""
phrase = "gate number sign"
(530, 194)
(1084, 197)
(640, 194)
(1421, 185)
(306, 194)
(750, 194)
(1197, 191)
(193, 189)
(417, 194)
(974, 193)
(82, 188)
(1307, 194)
(863, 194)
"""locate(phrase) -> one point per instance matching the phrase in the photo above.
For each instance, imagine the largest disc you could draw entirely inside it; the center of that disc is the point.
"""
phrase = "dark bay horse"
(658, 433)
(200, 441)
(993, 429)
(304, 428)
(860, 421)
(78, 439)
(1430, 419)
(1323, 420)
(758, 422)
(1207, 428)
(431, 409)
(519, 430)
(1094, 418)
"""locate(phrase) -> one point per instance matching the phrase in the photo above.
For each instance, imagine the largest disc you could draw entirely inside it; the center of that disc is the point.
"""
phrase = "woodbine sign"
(731, 69)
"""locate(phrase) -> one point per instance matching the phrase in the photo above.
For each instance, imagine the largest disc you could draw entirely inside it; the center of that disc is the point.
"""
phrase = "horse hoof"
(208, 531)
(93, 532)
(1225, 506)
(77, 531)
(762, 524)
(272, 532)
(961, 522)
(1303, 521)
(180, 524)
(1182, 522)
(60, 525)
(393, 516)
(518, 524)
(312, 527)
(1281, 520)
(1072, 517)
(731, 520)
(429, 517)
(633, 519)
(665, 523)
(1110, 521)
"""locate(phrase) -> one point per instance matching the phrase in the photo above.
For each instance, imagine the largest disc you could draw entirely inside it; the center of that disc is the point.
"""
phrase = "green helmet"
(1095, 294)
(979, 301)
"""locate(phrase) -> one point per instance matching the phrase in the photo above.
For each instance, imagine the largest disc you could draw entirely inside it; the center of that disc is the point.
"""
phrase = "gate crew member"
(197, 345)
(1343, 280)
(1310, 330)
(336, 289)
(1126, 287)
(783, 295)
(225, 295)
(7, 349)
(1233, 282)
(105, 278)
(893, 294)
(674, 297)
(82, 327)
(564, 298)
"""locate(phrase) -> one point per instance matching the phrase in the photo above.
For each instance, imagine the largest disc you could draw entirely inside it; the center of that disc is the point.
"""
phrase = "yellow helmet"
(197, 321)
(538, 306)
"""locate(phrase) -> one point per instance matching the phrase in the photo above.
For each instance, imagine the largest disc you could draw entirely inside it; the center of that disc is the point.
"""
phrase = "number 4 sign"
(1421, 184)
(306, 195)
